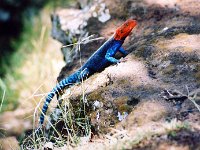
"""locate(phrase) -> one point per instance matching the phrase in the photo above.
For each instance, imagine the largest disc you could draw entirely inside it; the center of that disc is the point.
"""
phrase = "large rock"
(9, 143)
(69, 26)
(164, 56)
(15, 123)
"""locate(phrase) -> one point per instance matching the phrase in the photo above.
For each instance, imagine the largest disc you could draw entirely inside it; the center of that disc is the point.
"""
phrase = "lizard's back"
(97, 61)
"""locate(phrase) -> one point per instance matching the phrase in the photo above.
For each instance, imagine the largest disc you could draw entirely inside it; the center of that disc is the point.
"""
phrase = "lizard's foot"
(123, 60)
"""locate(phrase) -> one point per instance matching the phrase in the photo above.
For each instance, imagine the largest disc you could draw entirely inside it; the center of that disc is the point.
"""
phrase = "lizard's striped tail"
(72, 79)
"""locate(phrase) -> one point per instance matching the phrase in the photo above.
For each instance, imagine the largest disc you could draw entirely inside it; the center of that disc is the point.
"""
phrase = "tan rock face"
(146, 112)
(163, 146)
(15, 123)
(186, 6)
(9, 143)
(183, 41)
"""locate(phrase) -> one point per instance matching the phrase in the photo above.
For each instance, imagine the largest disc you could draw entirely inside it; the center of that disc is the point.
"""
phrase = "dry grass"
(37, 60)
(3, 87)
(75, 121)
(40, 67)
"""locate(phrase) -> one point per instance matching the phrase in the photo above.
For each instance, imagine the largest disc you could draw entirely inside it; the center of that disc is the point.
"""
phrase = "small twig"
(192, 99)
(110, 81)
(195, 104)
(84, 41)
(188, 92)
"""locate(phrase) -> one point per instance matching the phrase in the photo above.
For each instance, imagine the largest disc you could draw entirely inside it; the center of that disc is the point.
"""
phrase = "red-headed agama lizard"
(101, 59)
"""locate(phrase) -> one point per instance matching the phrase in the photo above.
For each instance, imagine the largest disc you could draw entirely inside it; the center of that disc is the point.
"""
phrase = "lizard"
(102, 58)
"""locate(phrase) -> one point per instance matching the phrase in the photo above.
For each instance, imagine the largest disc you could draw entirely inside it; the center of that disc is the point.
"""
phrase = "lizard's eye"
(126, 24)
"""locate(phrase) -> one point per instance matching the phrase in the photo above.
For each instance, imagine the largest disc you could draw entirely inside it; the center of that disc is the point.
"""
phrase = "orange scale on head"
(124, 30)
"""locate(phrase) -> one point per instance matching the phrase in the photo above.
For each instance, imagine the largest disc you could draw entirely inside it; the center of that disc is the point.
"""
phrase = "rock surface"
(9, 143)
(15, 123)
(69, 26)
(125, 103)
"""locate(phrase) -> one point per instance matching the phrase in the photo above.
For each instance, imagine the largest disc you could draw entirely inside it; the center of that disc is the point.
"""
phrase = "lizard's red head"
(123, 31)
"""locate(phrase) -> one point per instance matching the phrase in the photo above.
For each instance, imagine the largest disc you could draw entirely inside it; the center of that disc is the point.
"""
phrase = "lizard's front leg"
(110, 53)
(111, 59)
(123, 51)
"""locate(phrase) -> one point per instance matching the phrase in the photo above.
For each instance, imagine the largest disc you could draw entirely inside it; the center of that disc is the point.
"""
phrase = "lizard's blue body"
(101, 59)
